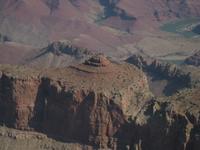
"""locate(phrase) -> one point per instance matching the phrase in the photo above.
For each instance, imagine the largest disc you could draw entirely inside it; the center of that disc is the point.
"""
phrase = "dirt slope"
(99, 23)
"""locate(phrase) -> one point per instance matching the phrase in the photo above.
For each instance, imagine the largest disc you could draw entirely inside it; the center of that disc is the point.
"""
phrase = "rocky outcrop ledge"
(87, 103)
(101, 104)
(194, 59)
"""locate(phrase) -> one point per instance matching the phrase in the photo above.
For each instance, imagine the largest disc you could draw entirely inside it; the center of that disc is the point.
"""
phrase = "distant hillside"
(88, 22)
(58, 54)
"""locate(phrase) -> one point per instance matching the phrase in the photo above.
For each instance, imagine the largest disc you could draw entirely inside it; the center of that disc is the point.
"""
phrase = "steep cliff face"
(87, 103)
(98, 103)
(17, 99)
(164, 78)
(149, 64)
(172, 123)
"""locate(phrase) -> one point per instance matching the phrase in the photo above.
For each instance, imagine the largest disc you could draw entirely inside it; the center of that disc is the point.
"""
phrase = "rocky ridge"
(194, 59)
(149, 64)
(164, 78)
(58, 54)
(65, 47)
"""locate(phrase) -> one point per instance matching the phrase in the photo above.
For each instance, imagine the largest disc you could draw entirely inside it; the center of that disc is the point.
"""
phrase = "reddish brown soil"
(13, 53)
(36, 23)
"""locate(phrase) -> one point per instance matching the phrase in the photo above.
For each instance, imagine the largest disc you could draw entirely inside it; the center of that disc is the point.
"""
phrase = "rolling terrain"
(117, 28)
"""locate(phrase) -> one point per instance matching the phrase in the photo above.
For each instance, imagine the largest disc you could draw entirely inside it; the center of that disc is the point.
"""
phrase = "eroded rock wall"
(168, 124)
(17, 100)
(68, 113)
(124, 120)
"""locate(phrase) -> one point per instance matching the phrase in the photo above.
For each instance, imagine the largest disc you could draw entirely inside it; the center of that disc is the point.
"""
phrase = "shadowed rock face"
(171, 123)
(194, 59)
(164, 78)
(52, 4)
(3, 38)
(196, 29)
(111, 9)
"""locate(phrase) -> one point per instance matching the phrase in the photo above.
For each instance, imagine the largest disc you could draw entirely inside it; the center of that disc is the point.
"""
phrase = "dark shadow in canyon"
(161, 85)
(116, 17)
(60, 116)
(158, 133)
(7, 117)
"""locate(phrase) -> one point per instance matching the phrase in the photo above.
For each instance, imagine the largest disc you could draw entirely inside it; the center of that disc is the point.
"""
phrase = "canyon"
(99, 104)
(115, 28)
(99, 75)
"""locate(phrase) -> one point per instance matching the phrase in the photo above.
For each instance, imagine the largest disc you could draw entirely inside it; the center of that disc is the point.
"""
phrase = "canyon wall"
(100, 116)
(66, 111)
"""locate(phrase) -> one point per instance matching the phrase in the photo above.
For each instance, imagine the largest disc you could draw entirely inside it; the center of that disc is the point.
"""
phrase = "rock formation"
(196, 29)
(164, 78)
(99, 103)
(149, 64)
(64, 47)
(87, 103)
(194, 59)
(58, 54)
(169, 123)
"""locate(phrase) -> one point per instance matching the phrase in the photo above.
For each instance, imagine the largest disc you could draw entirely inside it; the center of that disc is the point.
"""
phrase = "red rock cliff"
(87, 103)
(100, 103)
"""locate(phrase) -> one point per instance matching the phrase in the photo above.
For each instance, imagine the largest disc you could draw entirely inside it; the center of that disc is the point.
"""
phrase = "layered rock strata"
(98, 103)
(87, 103)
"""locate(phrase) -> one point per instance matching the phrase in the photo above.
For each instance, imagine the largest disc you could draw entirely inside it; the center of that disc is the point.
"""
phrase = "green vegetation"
(182, 27)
